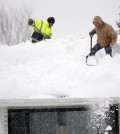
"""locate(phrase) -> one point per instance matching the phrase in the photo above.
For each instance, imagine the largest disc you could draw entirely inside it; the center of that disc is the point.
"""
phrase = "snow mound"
(56, 68)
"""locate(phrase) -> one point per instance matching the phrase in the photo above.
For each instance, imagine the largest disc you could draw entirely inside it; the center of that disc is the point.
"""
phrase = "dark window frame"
(60, 110)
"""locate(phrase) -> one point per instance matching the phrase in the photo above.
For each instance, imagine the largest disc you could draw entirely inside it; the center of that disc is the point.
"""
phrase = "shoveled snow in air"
(56, 68)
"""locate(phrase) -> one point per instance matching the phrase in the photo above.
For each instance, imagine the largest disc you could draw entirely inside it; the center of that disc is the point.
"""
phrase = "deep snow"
(56, 68)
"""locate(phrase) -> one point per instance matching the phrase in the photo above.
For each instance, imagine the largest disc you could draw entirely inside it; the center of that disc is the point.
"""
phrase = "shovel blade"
(91, 61)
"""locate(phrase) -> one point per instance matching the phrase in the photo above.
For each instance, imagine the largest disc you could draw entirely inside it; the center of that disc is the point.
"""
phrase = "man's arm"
(113, 35)
(92, 32)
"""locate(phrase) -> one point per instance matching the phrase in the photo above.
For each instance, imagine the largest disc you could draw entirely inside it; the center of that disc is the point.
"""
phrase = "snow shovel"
(91, 60)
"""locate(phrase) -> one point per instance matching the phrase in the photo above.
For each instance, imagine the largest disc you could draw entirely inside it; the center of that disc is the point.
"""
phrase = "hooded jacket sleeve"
(113, 35)
(93, 31)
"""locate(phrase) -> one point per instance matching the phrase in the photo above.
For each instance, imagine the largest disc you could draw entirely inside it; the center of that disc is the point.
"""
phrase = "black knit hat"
(51, 20)
(30, 21)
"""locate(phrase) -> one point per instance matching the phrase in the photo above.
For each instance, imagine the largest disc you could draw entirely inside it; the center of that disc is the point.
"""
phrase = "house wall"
(3, 121)
(119, 116)
(4, 106)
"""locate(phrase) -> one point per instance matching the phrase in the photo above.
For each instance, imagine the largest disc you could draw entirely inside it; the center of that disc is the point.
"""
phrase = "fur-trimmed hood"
(98, 19)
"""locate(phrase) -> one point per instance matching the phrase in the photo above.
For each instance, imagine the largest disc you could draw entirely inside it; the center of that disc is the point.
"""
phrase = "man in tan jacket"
(106, 36)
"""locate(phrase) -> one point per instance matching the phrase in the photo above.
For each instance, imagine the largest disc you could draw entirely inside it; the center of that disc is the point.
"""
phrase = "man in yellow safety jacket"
(41, 29)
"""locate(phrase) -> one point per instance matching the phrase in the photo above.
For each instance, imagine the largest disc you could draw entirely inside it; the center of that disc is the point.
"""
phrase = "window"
(52, 121)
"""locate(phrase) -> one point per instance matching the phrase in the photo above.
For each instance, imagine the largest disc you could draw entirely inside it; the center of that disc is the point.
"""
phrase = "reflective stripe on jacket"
(46, 30)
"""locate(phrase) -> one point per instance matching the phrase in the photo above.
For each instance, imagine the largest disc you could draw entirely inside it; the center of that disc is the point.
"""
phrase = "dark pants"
(36, 37)
(97, 47)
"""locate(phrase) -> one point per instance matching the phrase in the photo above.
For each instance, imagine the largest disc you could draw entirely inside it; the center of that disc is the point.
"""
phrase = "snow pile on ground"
(56, 68)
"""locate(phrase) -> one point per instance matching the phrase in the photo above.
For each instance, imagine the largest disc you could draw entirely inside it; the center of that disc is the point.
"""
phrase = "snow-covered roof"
(59, 102)
(56, 68)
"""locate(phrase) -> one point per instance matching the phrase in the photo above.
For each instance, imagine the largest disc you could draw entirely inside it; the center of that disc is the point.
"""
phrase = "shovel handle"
(91, 43)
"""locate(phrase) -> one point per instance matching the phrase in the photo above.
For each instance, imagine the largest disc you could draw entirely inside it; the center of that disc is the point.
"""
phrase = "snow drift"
(56, 68)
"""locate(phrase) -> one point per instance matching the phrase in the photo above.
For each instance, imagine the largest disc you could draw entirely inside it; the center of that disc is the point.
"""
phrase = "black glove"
(92, 53)
(46, 37)
(91, 34)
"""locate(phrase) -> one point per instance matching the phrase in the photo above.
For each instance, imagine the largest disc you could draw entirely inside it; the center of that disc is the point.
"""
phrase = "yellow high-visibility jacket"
(42, 27)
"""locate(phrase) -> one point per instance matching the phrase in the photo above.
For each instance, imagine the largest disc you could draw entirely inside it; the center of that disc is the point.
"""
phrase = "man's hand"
(47, 37)
(90, 33)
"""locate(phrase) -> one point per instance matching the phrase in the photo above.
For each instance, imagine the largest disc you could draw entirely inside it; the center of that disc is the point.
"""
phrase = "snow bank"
(56, 68)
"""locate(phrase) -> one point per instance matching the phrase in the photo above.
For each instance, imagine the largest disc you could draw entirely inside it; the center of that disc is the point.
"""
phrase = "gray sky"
(72, 16)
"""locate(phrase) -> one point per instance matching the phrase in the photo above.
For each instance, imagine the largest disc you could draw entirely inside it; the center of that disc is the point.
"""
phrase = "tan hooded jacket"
(106, 35)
